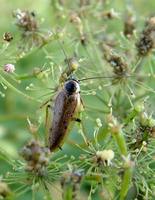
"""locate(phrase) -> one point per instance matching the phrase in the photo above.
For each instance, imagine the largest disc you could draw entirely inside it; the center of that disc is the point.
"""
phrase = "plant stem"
(117, 133)
(9, 85)
(120, 140)
(125, 183)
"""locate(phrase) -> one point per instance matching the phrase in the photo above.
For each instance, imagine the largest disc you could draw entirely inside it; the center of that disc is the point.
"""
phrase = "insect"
(67, 105)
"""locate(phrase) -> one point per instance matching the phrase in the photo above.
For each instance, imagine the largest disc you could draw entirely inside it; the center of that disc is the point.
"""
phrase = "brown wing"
(64, 109)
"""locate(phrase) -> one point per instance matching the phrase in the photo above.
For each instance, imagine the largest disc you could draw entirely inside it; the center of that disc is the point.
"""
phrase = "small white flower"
(10, 68)
(99, 123)
(144, 143)
(106, 156)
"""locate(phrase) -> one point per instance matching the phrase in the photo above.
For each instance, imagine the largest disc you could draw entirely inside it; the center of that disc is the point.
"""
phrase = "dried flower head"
(7, 37)
(10, 68)
(129, 25)
(31, 34)
(147, 39)
(119, 66)
(25, 20)
(36, 156)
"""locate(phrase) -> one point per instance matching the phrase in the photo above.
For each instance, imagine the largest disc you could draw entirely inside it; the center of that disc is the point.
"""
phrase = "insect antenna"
(47, 94)
(117, 76)
(64, 52)
(102, 77)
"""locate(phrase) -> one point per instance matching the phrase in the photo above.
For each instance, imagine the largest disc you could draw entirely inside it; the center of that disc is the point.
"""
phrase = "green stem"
(120, 140)
(139, 64)
(17, 91)
(68, 193)
(130, 117)
(125, 183)
(26, 76)
(137, 109)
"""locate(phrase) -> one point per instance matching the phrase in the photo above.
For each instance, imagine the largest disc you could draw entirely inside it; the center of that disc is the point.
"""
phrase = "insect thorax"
(71, 87)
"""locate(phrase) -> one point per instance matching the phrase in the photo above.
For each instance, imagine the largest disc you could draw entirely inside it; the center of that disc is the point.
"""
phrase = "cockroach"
(67, 105)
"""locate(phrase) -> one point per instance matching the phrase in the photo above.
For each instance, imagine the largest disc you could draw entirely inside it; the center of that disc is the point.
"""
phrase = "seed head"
(36, 156)
(147, 38)
(7, 37)
(129, 25)
(119, 66)
(25, 20)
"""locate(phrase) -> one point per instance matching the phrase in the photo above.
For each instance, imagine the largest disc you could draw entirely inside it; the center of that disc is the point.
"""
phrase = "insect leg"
(77, 119)
(82, 104)
(46, 119)
(45, 103)
(46, 123)
(60, 148)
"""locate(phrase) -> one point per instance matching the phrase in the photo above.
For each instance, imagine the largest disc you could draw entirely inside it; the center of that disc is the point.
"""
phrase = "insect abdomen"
(58, 135)
(64, 110)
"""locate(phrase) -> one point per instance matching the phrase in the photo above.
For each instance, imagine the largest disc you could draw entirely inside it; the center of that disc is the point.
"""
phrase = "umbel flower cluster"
(36, 157)
(106, 140)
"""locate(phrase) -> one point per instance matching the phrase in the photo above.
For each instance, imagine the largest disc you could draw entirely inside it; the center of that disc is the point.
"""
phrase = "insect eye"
(70, 87)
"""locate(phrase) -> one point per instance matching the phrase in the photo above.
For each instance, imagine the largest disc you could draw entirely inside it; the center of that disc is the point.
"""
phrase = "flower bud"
(105, 156)
(10, 68)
